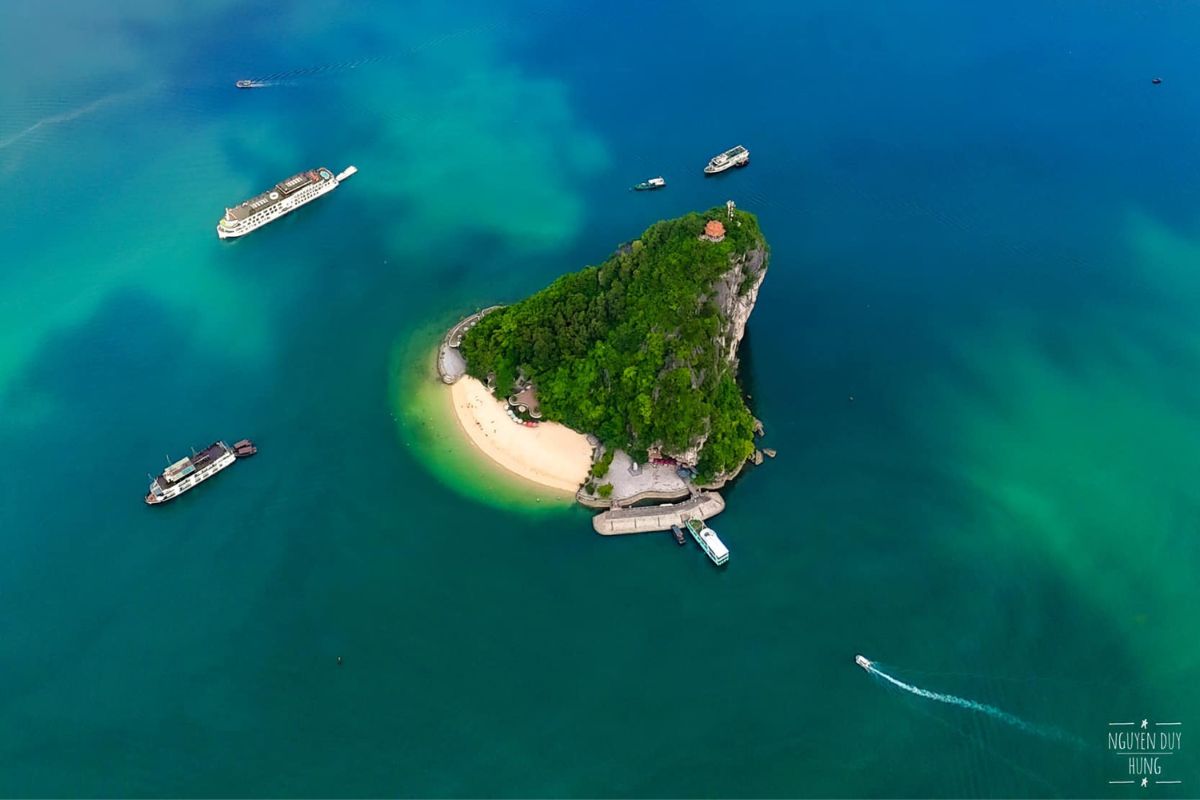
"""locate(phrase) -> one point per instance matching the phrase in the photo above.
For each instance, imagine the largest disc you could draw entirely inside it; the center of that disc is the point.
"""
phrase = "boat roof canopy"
(718, 548)
(295, 182)
(178, 467)
(281, 190)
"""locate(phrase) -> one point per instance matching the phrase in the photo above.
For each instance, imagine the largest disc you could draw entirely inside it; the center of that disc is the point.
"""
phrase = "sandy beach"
(552, 455)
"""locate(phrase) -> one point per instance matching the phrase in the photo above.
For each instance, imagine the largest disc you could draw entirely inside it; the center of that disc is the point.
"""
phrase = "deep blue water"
(983, 228)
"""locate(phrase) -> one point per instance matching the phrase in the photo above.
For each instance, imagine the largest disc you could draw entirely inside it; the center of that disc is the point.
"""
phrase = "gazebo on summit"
(714, 231)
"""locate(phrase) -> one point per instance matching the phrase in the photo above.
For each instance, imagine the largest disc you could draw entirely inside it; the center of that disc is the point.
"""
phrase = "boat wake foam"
(66, 116)
(290, 77)
(1043, 731)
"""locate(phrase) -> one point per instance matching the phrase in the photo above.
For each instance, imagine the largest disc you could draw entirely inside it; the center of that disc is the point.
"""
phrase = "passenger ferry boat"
(650, 185)
(286, 196)
(188, 472)
(733, 157)
(709, 542)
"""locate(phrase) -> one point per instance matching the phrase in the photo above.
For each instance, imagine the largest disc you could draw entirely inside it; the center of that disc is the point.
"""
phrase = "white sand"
(551, 454)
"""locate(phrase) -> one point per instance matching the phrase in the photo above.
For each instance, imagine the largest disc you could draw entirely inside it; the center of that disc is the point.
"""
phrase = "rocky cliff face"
(735, 294)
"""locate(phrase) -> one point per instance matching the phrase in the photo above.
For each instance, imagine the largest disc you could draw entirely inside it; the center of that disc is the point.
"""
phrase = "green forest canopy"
(626, 350)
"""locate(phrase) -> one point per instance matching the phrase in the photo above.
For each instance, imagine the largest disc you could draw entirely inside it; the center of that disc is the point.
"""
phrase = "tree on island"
(630, 350)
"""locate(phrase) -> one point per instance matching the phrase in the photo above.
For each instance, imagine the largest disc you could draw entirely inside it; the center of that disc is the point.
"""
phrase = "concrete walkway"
(659, 479)
(451, 365)
(657, 518)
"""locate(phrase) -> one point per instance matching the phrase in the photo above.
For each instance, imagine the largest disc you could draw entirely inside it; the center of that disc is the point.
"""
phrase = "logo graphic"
(1145, 750)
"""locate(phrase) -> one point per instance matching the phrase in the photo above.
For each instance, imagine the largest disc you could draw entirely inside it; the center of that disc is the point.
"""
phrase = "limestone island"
(619, 382)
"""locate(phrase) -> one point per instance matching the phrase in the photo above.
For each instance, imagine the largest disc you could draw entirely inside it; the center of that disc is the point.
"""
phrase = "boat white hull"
(711, 170)
(711, 544)
(280, 209)
(193, 480)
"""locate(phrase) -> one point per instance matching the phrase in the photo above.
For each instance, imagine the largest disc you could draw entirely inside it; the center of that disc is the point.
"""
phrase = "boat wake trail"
(65, 116)
(292, 76)
(971, 705)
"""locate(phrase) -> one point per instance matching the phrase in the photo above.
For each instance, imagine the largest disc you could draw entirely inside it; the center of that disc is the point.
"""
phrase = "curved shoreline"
(550, 455)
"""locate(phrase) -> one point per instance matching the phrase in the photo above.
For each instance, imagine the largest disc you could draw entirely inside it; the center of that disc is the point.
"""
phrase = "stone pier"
(647, 519)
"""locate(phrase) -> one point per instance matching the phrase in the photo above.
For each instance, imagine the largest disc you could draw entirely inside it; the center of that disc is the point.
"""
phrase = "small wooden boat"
(680, 539)
(244, 448)
(650, 185)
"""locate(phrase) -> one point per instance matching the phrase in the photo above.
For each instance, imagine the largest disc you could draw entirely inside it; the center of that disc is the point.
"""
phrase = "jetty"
(648, 519)
(450, 364)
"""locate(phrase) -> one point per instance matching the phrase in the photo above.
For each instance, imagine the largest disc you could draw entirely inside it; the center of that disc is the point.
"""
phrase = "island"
(619, 382)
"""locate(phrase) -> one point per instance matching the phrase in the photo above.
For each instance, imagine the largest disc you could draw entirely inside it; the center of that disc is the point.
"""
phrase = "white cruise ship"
(733, 157)
(188, 472)
(286, 196)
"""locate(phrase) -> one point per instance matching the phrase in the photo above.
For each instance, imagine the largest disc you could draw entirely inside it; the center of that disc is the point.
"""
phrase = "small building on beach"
(526, 401)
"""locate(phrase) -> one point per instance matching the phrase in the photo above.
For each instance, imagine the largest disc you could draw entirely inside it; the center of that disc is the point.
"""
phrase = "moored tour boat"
(189, 472)
(709, 542)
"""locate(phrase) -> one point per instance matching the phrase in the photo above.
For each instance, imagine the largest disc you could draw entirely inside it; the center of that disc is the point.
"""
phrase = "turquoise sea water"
(984, 222)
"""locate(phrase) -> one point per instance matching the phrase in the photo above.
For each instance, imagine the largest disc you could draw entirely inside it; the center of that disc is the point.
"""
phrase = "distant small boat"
(1156, 81)
(650, 185)
(679, 536)
(245, 84)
